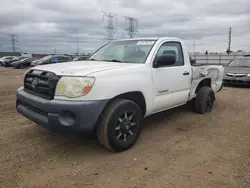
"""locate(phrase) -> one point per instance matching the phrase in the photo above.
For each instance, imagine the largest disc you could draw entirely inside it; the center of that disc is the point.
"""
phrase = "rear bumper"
(60, 115)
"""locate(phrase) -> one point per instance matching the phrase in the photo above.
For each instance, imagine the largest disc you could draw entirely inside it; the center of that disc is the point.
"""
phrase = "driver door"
(171, 83)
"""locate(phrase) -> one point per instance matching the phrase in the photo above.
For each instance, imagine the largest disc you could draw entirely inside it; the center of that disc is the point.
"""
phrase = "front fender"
(112, 83)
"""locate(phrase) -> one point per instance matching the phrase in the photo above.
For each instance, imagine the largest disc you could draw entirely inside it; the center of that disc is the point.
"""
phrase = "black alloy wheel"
(204, 101)
(118, 127)
(209, 102)
(126, 126)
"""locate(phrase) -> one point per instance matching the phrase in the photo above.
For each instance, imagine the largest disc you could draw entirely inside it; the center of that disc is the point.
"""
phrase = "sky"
(46, 26)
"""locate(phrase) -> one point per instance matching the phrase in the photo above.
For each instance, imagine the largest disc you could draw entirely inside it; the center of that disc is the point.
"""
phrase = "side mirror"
(164, 60)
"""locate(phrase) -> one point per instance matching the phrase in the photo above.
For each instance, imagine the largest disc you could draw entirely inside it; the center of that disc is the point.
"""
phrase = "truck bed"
(204, 64)
(212, 72)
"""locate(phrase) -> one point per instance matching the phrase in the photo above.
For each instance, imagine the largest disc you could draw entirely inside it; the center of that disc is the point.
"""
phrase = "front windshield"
(46, 58)
(21, 58)
(6, 58)
(129, 51)
(25, 59)
(240, 63)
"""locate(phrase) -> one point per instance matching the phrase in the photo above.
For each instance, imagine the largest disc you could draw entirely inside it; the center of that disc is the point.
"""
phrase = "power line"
(110, 25)
(132, 26)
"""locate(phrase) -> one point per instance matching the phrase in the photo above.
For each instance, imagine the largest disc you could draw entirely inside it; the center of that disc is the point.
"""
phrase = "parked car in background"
(80, 58)
(5, 59)
(51, 59)
(238, 72)
(25, 62)
(34, 62)
(8, 62)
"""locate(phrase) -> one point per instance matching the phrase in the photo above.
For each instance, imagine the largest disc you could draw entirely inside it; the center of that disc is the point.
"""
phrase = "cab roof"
(150, 38)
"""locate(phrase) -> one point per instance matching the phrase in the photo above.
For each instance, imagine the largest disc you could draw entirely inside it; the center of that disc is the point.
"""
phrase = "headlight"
(248, 75)
(74, 86)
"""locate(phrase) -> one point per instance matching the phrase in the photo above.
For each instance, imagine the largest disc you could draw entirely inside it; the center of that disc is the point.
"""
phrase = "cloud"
(44, 25)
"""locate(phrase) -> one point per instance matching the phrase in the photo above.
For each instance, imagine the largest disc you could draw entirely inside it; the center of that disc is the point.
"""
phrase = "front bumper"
(60, 115)
(228, 80)
(14, 64)
(7, 63)
(4, 63)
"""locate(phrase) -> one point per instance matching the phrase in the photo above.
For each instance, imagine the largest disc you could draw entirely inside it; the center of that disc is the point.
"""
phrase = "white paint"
(145, 42)
(163, 88)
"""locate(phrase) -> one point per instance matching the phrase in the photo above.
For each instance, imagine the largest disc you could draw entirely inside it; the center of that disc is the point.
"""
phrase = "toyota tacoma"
(118, 85)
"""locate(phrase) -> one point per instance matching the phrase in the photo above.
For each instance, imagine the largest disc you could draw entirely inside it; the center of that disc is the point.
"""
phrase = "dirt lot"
(177, 148)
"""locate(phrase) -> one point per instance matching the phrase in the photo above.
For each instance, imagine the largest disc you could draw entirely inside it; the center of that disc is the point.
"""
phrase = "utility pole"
(77, 47)
(55, 52)
(13, 41)
(110, 25)
(229, 40)
(194, 49)
(132, 26)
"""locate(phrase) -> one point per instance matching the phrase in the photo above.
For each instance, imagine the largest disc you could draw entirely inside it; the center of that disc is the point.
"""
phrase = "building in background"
(39, 56)
(2, 54)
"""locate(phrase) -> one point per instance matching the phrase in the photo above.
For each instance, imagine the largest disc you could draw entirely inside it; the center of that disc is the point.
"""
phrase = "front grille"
(41, 83)
(235, 75)
(226, 81)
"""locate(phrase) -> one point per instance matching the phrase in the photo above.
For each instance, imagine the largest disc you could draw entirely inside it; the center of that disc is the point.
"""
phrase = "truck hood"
(82, 68)
(242, 70)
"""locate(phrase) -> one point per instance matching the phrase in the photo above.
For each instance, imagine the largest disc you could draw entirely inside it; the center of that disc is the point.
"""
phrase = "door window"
(63, 58)
(54, 59)
(173, 48)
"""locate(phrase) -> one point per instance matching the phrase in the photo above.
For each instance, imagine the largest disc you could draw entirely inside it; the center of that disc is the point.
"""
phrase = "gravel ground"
(177, 148)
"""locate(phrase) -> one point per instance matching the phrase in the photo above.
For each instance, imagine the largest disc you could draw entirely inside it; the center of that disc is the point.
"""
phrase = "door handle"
(186, 73)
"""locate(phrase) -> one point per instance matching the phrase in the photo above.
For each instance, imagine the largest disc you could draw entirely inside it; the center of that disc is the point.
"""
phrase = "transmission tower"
(13, 41)
(229, 40)
(132, 26)
(110, 29)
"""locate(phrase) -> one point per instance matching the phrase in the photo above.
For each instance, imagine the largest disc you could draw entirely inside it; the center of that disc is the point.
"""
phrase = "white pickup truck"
(122, 82)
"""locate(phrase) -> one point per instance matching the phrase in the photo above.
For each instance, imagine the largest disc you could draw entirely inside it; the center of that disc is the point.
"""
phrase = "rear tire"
(119, 125)
(204, 100)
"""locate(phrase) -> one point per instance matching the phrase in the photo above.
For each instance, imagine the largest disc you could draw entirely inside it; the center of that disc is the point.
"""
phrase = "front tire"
(119, 125)
(204, 100)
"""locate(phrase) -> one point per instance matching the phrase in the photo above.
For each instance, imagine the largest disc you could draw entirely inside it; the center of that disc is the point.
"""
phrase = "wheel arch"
(135, 96)
(205, 82)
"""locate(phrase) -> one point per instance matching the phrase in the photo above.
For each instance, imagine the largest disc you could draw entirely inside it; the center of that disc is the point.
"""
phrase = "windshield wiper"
(113, 60)
(93, 59)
